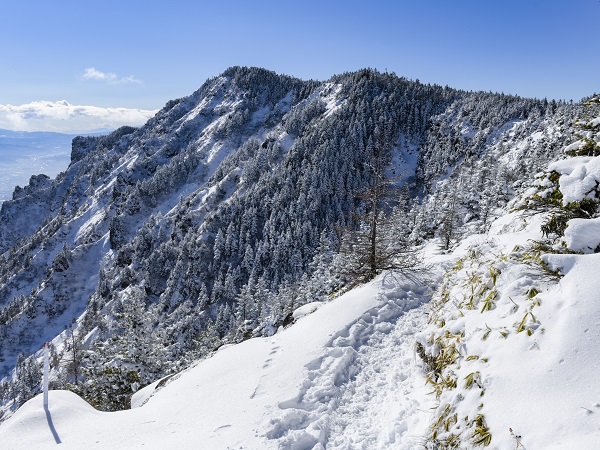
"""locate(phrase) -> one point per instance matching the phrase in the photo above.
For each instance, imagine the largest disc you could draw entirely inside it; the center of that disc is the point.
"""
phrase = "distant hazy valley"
(24, 154)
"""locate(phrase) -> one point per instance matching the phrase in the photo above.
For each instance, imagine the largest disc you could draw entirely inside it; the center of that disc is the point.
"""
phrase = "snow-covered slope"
(512, 345)
(344, 376)
(216, 220)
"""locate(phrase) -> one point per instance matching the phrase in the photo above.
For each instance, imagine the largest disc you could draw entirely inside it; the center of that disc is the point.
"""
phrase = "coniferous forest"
(234, 206)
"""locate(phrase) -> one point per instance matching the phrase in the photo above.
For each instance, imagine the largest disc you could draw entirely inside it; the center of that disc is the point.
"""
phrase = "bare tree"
(449, 222)
(375, 241)
(73, 353)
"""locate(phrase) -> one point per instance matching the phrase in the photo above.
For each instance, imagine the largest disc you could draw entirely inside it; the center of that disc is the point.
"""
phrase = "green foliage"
(551, 199)
(494, 272)
(533, 257)
(589, 148)
(111, 388)
(473, 378)
(488, 302)
(522, 325)
(486, 334)
(554, 177)
(435, 364)
(481, 435)
(440, 430)
(556, 225)
(584, 208)
(480, 290)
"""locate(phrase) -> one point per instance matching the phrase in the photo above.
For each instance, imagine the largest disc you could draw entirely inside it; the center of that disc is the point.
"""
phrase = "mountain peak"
(232, 207)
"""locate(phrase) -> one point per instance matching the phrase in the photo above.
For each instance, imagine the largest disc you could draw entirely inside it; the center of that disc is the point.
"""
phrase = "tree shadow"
(51, 426)
(419, 275)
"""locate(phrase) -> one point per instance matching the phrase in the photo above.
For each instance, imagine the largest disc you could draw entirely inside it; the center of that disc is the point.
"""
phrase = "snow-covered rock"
(583, 235)
(580, 177)
(304, 310)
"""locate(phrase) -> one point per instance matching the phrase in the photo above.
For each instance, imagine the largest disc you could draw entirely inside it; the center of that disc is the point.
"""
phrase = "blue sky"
(139, 54)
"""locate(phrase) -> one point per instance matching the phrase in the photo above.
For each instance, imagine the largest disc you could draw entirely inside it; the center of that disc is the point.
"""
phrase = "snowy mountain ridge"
(346, 398)
(215, 221)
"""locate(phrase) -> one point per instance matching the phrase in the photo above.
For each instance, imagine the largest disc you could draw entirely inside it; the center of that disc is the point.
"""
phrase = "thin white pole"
(46, 370)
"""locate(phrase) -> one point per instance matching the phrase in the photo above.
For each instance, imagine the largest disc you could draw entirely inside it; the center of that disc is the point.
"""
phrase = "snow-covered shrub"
(110, 388)
(478, 307)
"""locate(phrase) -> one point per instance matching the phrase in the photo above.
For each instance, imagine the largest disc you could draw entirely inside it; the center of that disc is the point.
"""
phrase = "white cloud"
(63, 117)
(91, 73)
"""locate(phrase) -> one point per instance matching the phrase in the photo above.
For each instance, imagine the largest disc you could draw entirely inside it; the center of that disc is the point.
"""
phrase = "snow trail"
(379, 408)
(351, 360)
(366, 389)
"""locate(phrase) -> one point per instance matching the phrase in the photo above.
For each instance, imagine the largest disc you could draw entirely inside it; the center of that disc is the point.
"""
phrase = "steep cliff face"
(217, 218)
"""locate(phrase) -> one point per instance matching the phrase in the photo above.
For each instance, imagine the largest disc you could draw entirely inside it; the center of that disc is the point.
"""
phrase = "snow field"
(301, 388)
(510, 351)
(386, 404)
